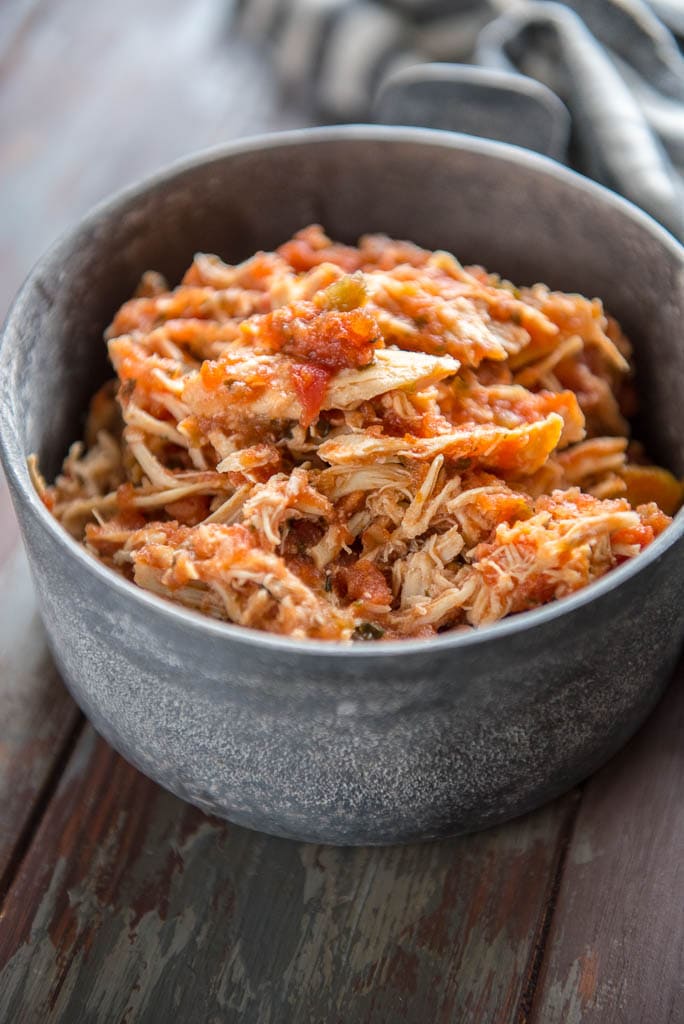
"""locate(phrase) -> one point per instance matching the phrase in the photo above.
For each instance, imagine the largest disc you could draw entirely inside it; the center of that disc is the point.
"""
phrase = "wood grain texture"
(616, 946)
(127, 905)
(131, 906)
(94, 96)
(37, 716)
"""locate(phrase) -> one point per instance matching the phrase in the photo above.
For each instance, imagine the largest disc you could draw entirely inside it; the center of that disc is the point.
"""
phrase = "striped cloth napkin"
(615, 64)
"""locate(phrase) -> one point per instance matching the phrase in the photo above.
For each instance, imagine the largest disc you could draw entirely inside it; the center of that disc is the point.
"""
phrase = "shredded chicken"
(354, 442)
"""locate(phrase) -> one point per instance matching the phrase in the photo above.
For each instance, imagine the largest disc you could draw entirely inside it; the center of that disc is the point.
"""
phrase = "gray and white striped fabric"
(616, 64)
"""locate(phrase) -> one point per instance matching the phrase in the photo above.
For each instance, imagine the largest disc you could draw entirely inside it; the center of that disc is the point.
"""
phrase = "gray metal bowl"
(371, 743)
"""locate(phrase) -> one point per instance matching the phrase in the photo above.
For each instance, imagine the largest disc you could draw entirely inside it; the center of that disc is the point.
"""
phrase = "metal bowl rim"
(176, 614)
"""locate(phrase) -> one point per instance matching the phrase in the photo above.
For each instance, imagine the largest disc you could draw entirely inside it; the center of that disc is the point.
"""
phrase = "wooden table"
(120, 903)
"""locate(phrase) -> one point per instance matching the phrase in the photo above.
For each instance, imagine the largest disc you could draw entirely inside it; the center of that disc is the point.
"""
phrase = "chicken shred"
(355, 442)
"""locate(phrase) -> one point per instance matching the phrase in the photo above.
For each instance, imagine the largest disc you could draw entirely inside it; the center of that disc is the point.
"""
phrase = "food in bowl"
(361, 442)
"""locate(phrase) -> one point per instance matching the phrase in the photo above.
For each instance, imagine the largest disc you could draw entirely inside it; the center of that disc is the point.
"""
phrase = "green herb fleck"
(368, 631)
(345, 294)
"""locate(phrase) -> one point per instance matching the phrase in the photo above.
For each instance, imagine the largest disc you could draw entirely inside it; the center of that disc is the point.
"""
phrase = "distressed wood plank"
(616, 946)
(95, 96)
(133, 906)
(37, 716)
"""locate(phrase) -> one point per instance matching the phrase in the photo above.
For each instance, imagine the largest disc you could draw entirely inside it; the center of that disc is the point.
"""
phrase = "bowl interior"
(514, 213)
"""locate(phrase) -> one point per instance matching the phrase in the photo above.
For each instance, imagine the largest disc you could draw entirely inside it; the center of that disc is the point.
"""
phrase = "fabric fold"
(616, 65)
